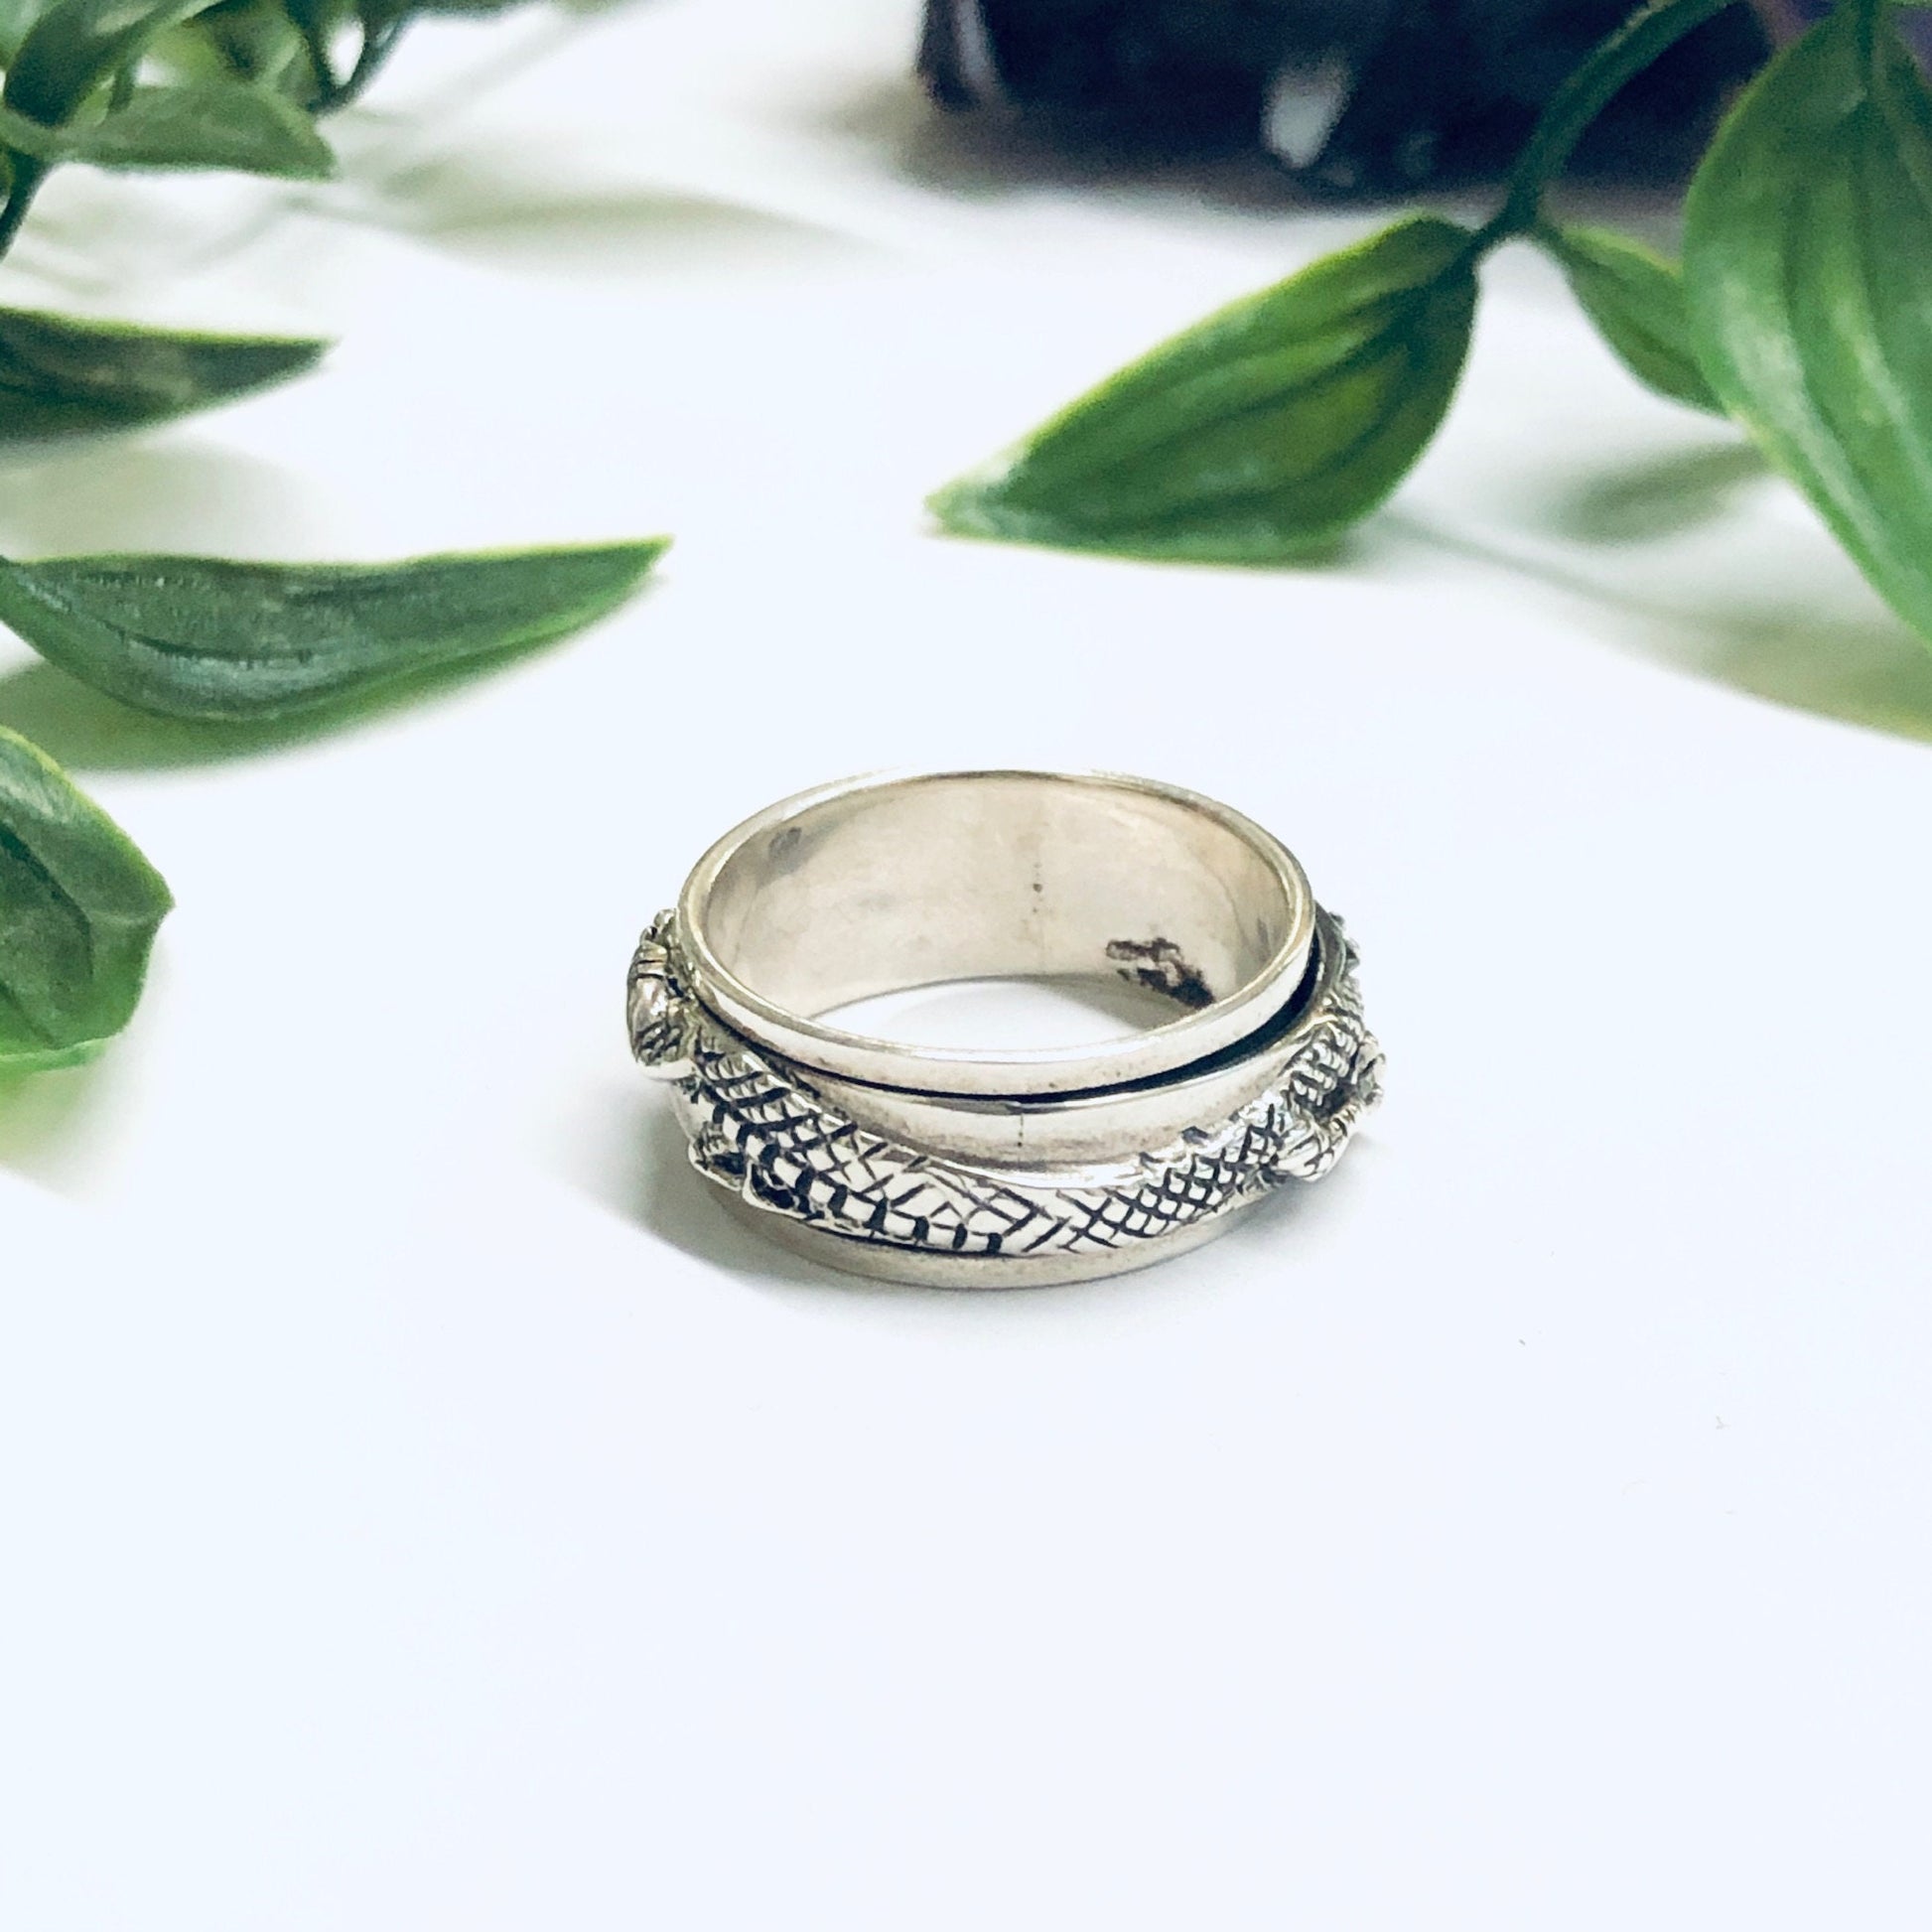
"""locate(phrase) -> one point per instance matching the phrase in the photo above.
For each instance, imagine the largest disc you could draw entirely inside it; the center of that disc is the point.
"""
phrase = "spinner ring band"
(988, 1168)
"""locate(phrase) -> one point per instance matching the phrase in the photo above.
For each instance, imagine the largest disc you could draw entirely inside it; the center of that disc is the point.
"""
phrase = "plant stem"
(379, 41)
(316, 42)
(1647, 34)
(27, 175)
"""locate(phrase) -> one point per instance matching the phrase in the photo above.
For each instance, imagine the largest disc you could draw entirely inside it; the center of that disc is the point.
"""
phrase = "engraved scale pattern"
(759, 1126)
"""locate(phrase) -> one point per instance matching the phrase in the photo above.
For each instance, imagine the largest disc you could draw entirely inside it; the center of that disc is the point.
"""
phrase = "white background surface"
(420, 1509)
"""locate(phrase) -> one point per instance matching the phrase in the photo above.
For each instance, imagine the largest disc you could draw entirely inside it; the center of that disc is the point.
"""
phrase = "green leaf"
(77, 45)
(1807, 262)
(204, 638)
(238, 40)
(1259, 433)
(197, 124)
(78, 911)
(318, 22)
(1636, 300)
(60, 377)
(16, 18)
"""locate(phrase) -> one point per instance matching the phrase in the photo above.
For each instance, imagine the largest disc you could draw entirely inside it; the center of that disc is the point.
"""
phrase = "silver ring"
(998, 1169)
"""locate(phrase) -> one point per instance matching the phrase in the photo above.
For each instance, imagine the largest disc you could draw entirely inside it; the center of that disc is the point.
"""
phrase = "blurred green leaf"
(205, 637)
(472, 9)
(1807, 262)
(225, 124)
(1636, 300)
(16, 17)
(78, 911)
(60, 377)
(1259, 433)
(236, 40)
(77, 46)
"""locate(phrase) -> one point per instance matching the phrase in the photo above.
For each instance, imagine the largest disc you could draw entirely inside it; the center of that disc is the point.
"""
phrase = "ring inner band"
(883, 885)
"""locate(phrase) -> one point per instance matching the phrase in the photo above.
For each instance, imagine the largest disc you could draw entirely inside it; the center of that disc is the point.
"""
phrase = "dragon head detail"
(658, 1004)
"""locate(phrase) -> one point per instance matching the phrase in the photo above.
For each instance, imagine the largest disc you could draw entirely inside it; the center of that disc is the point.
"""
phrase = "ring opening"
(996, 1014)
(884, 885)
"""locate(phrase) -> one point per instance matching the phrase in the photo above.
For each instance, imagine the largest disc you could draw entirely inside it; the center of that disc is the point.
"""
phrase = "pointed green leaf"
(1808, 261)
(1260, 432)
(60, 377)
(197, 125)
(78, 911)
(1636, 300)
(204, 638)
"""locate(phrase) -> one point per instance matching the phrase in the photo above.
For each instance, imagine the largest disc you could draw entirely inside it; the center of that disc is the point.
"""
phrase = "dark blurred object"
(1789, 18)
(1352, 96)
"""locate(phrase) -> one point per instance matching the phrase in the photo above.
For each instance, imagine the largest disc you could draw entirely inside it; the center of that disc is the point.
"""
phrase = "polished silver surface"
(875, 884)
(915, 1164)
